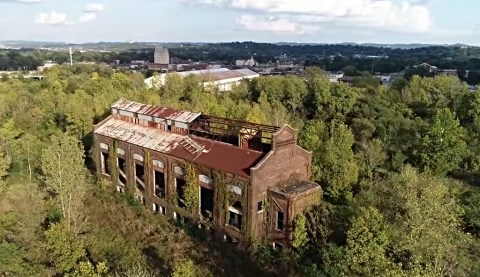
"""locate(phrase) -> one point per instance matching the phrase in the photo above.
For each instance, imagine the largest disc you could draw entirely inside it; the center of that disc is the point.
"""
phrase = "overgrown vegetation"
(400, 167)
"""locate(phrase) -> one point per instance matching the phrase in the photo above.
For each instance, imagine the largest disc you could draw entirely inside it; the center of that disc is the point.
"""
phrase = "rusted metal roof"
(217, 155)
(154, 111)
(139, 135)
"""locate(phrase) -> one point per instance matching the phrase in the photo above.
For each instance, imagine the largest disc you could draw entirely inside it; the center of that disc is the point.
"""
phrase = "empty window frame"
(206, 203)
(277, 246)
(122, 170)
(159, 183)
(106, 170)
(235, 215)
(260, 206)
(140, 177)
(280, 221)
(180, 189)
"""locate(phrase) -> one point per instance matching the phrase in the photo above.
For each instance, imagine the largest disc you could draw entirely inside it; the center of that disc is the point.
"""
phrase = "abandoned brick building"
(241, 180)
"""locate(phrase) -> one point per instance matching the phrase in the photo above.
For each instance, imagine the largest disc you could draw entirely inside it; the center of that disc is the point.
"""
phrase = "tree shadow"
(155, 261)
(470, 178)
(223, 258)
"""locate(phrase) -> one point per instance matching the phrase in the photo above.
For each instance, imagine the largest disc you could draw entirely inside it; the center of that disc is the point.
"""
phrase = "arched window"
(235, 189)
(137, 157)
(104, 146)
(120, 151)
(179, 170)
(204, 179)
(158, 164)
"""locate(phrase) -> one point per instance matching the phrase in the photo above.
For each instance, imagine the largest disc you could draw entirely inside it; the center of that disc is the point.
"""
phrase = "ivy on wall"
(112, 163)
(220, 194)
(300, 237)
(171, 191)
(147, 164)
(191, 193)
(267, 220)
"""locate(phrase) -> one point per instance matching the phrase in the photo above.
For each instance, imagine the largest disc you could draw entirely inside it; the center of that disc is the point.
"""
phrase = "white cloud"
(85, 17)
(52, 18)
(253, 23)
(90, 12)
(23, 1)
(94, 8)
(407, 16)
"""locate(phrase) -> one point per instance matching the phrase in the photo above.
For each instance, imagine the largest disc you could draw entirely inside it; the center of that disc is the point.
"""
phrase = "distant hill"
(138, 45)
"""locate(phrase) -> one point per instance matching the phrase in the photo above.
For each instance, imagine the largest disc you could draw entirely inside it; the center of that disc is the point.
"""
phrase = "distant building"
(438, 71)
(449, 72)
(348, 80)
(335, 77)
(222, 78)
(161, 56)
(48, 64)
(247, 63)
(385, 79)
(159, 67)
(251, 180)
(431, 68)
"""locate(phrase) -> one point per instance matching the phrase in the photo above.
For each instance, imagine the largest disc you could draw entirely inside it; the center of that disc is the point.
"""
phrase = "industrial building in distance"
(221, 78)
(240, 180)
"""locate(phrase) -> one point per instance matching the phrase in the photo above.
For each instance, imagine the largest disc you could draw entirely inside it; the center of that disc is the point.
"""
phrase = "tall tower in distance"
(161, 55)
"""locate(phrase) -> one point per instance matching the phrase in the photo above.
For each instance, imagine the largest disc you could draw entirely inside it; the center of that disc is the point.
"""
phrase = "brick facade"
(257, 207)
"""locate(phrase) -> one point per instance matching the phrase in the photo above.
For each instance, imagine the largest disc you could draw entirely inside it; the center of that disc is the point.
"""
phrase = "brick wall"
(286, 160)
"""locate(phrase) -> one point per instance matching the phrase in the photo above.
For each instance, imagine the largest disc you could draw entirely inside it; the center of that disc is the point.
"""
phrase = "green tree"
(424, 221)
(65, 176)
(443, 147)
(5, 162)
(184, 268)
(87, 269)
(66, 251)
(313, 137)
(339, 169)
(367, 241)
(371, 156)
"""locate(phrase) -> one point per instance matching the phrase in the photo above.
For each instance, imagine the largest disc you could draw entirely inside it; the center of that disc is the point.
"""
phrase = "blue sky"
(325, 21)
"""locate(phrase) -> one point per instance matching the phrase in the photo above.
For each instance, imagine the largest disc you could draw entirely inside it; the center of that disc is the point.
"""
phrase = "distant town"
(224, 65)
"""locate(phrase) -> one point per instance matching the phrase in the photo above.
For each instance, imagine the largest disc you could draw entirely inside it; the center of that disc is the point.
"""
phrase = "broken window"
(179, 171)
(105, 164)
(156, 208)
(120, 151)
(122, 169)
(159, 181)
(205, 179)
(140, 177)
(260, 206)
(180, 188)
(206, 203)
(235, 215)
(277, 246)
(235, 189)
(279, 220)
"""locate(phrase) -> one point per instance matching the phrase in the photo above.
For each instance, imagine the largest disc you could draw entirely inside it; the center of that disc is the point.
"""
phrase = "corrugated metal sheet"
(217, 155)
(150, 138)
(159, 112)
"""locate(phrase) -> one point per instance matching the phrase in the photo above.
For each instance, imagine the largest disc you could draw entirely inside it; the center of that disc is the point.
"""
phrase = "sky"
(303, 21)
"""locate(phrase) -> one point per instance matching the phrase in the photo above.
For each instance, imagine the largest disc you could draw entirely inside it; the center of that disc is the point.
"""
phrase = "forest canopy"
(399, 166)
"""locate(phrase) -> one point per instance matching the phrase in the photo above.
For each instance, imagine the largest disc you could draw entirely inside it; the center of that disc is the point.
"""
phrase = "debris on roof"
(214, 154)
(154, 111)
